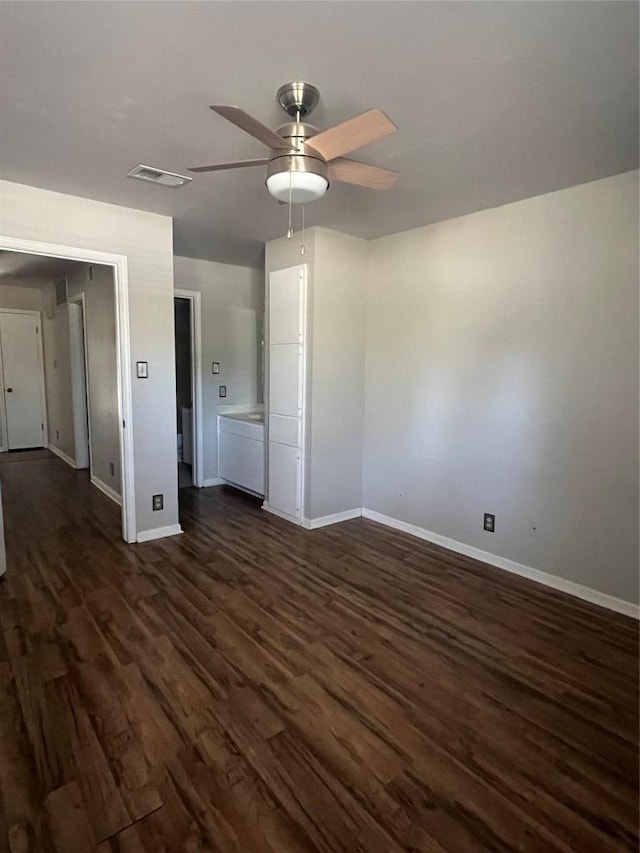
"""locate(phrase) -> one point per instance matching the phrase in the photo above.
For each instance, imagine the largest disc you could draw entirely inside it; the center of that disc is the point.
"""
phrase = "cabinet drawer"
(243, 428)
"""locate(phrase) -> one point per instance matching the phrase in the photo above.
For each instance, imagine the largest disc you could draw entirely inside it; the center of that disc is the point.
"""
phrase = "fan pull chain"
(290, 229)
(302, 235)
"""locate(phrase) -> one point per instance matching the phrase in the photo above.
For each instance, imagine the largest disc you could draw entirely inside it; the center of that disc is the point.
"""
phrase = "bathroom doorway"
(188, 388)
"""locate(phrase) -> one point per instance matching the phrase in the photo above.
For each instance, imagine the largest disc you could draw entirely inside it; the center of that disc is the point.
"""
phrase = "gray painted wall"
(232, 305)
(102, 369)
(23, 298)
(146, 240)
(337, 373)
(57, 372)
(502, 376)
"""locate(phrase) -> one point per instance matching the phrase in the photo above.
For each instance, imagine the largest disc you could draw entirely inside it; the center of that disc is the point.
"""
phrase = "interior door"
(22, 379)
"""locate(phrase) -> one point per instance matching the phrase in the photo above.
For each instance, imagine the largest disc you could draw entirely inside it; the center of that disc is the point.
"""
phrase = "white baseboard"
(284, 515)
(212, 481)
(334, 518)
(106, 490)
(610, 602)
(62, 455)
(159, 533)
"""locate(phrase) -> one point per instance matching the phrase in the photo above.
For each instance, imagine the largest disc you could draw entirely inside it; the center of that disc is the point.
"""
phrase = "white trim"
(610, 602)
(195, 297)
(123, 356)
(80, 382)
(159, 533)
(213, 481)
(334, 518)
(43, 391)
(107, 490)
(62, 455)
(4, 437)
(291, 518)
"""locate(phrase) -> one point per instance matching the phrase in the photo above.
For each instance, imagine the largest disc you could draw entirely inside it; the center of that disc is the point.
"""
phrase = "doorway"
(123, 407)
(189, 445)
(184, 395)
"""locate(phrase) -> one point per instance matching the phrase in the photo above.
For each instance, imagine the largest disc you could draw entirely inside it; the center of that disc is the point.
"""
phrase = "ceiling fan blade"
(352, 134)
(353, 172)
(238, 164)
(250, 125)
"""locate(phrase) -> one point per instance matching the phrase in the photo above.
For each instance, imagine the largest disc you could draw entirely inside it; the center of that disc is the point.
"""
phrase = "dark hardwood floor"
(249, 686)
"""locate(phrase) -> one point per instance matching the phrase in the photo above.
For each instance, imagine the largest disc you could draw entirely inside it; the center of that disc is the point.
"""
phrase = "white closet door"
(285, 369)
(284, 479)
(23, 380)
(286, 390)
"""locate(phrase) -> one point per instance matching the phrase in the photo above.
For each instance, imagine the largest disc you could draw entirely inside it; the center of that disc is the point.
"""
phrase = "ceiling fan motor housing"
(298, 99)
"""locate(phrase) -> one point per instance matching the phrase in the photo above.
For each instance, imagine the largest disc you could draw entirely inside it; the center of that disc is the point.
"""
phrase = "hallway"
(249, 686)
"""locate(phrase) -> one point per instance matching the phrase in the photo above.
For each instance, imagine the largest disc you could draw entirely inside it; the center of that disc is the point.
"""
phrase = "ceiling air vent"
(158, 176)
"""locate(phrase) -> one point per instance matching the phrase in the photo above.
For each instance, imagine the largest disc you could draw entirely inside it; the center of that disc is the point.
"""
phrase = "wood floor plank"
(251, 686)
(68, 819)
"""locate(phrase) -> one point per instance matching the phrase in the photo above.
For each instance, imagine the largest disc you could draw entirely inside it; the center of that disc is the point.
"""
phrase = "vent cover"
(158, 176)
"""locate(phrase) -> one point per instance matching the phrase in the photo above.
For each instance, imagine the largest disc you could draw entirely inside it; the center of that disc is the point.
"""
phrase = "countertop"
(248, 417)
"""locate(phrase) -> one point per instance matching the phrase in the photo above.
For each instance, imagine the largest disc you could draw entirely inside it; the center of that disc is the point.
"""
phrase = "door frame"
(43, 393)
(119, 265)
(195, 298)
(80, 382)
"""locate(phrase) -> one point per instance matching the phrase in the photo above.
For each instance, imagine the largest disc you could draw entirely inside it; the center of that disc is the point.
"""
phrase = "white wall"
(232, 305)
(146, 240)
(502, 376)
(102, 369)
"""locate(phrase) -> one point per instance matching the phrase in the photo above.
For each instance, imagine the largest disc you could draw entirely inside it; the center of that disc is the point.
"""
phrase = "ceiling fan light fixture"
(298, 177)
(303, 186)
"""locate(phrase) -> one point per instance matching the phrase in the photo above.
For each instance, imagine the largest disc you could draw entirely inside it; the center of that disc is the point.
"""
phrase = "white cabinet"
(241, 453)
(286, 306)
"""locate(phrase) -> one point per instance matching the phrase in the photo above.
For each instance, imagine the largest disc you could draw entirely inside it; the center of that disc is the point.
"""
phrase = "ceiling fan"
(303, 160)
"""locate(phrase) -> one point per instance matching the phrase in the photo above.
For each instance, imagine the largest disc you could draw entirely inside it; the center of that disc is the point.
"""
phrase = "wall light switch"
(215, 367)
(222, 390)
(142, 369)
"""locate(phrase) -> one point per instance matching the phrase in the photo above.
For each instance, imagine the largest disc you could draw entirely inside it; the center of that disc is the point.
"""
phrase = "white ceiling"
(24, 270)
(495, 101)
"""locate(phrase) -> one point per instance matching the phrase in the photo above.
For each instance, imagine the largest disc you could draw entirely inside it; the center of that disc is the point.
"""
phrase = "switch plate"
(489, 522)
(222, 391)
(157, 502)
(215, 367)
(142, 369)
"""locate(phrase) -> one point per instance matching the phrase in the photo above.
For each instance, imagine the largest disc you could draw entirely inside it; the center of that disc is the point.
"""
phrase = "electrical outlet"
(489, 522)
(222, 390)
(112, 468)
(215, 367)
(157, 502)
